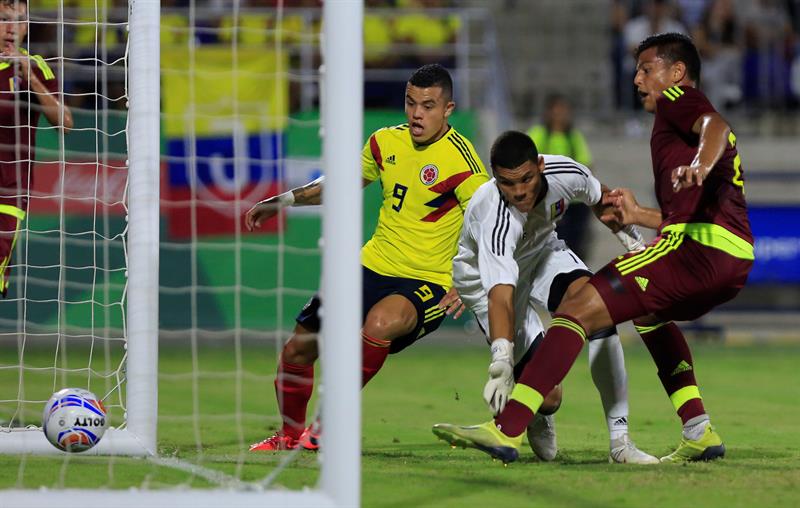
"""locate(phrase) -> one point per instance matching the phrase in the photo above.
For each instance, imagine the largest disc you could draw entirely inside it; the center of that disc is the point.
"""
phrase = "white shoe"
(542, 437)
(623, 451)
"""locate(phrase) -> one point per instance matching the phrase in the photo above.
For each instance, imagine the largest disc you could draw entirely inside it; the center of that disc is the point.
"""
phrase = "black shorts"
(424, 295)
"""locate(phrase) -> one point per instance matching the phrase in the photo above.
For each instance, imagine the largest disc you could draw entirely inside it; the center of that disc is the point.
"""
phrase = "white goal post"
(340, 483)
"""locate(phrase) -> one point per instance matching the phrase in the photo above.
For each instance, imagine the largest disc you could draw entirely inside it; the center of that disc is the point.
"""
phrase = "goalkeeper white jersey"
(498, 243)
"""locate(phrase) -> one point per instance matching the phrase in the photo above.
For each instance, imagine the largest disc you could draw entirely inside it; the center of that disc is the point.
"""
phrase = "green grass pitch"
(751, 393)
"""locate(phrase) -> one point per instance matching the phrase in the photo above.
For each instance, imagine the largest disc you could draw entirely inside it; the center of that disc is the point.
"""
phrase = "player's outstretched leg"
(671, 354)
(485, 437)
(607, 364)
(294, 384)
(560, 347)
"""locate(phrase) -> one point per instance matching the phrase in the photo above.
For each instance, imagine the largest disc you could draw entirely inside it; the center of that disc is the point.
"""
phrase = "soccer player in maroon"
(28, 88)
(700, 259)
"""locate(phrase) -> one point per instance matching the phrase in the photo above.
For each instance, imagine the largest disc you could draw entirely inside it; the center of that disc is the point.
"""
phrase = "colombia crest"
(428, 174)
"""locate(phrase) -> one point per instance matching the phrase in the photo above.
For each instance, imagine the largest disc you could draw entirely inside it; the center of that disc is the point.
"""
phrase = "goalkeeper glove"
(501, 375)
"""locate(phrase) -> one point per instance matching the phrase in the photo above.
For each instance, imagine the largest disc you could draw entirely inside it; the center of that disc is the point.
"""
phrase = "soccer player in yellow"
(428, 173)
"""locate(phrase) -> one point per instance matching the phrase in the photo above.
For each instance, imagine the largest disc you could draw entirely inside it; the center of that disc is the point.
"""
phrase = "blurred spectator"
(621, 83)
(378, 35)
(556, 135)
(658, 17)
(767, 57)
(379, 54)
(174, 28)
(692, 12)
(429, 33)
(719, 40)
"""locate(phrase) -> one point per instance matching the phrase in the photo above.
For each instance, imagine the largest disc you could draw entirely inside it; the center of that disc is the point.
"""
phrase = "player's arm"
(501, 312)
(713, 131)
(306, 195)
(588, 189)
(51, 106)
(628, 235)
(626, 210)
(499, 273)
(501, 334)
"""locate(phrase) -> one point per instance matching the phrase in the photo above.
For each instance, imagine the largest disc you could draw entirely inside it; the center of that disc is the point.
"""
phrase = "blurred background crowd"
(560, 69)
(750, 48)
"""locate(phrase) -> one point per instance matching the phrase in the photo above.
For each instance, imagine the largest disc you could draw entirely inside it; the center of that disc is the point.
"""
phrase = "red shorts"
(675, 278)
(9, 230)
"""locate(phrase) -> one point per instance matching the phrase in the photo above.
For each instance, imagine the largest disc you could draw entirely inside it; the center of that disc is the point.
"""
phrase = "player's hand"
(452, 304)
(501, 376)
(621, 207)
(11, 54)
(684, 177)
(262, 211)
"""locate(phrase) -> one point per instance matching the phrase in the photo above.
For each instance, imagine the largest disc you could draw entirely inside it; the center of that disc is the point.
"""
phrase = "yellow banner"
(219, 95)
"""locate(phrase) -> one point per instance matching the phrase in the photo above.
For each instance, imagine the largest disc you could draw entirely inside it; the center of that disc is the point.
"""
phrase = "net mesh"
(62, 322)
(239, 96)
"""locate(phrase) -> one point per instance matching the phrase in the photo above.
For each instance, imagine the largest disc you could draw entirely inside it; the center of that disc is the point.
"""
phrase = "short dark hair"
(433, 75)
(674, 47)
(512, 149)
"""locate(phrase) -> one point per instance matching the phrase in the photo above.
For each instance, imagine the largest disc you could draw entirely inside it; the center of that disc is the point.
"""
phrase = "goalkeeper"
(28, 88)
(428, 173)
(510, 260)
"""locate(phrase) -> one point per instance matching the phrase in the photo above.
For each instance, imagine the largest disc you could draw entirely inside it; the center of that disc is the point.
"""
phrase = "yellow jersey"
(426, 189)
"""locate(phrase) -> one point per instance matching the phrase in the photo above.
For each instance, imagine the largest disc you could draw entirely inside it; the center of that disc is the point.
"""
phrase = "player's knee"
(388, 326)
(552, 402)
(301, 348)
(587, 308)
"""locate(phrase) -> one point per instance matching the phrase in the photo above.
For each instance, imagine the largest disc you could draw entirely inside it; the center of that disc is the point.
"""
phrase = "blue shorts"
(424, 295)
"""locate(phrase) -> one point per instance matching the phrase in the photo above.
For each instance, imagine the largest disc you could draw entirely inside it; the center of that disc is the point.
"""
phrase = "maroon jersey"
(720, 200)
(18, 126)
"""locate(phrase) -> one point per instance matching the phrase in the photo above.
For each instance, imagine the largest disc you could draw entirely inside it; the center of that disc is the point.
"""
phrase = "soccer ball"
(74, 420)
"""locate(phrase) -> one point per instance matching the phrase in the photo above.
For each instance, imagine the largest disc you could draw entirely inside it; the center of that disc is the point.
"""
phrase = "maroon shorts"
(9, 230)
(675, 278)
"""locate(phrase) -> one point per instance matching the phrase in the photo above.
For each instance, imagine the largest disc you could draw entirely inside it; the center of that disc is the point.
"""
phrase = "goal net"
(165, 307)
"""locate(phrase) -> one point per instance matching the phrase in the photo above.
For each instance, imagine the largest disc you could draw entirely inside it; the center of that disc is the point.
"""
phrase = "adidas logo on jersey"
(642, 281)
(390, 159)
(682, 367)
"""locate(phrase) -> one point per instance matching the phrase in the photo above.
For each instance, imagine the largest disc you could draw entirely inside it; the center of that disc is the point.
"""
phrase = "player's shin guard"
(293, 386)
(373, 354)
(669, 350)
(554, 357)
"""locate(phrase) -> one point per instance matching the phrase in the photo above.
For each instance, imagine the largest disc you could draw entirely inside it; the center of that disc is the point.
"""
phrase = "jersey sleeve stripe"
(498, 215)
(564, 165)
(502, 224)
(470, 152)
(46, 70)
(459, 143)
(469, 162)
(507, 214)
(376, 151)
(561, 172)
(669, 94)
